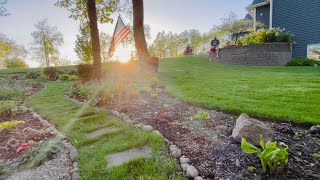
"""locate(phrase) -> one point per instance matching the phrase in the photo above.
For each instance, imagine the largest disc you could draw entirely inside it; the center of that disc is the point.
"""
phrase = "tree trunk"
(94, 31)
(138, 30)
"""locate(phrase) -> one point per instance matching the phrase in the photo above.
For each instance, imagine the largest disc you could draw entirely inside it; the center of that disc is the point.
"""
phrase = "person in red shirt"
(215, 46)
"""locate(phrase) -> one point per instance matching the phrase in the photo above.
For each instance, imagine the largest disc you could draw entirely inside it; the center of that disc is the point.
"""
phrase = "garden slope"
(281, 93)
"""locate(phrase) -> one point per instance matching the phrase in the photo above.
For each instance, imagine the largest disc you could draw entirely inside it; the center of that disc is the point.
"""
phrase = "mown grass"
(281, 93)
(92, 152)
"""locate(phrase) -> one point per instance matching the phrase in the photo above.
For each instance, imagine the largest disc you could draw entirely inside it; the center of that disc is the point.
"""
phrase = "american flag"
(121, 31)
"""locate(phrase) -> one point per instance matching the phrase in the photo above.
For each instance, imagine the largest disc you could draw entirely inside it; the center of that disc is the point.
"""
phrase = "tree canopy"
(46, 42)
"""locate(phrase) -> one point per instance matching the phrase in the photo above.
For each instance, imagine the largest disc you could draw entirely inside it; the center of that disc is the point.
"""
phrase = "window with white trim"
(314, 51)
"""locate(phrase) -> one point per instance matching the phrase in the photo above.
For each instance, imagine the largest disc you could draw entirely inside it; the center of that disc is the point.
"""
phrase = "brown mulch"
(32, 129)
(209, 144)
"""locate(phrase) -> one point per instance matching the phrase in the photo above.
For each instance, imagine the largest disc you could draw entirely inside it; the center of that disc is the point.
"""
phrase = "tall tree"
(93, 11)
(83, 44)
(138, 30)
(94, 31)
(46, 39)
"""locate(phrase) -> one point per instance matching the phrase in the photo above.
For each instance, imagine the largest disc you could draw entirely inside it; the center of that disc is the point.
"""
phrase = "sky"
(173, 15)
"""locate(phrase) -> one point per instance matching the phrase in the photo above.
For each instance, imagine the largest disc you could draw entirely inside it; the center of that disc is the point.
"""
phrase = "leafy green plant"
(153, 94)
(38, 153)
(10, 124)
(50, 71)
(64, 77)
(73, 78)
(12, 90)
(302, 62)
(7, 107)
(316, 155)
(271, 156)
(202, 115)
(85, 72)
(268, 36)
(32, 75)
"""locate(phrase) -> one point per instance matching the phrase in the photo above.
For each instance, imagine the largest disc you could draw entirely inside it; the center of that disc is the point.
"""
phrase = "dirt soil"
(208, 143)
(32, 129)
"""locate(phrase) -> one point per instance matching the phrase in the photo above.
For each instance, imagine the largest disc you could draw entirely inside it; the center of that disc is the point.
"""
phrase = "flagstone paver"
(100, 132)
(119, 158)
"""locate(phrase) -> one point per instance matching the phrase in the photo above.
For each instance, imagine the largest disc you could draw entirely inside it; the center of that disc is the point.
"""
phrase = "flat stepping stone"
(119, 158)
(99, 132)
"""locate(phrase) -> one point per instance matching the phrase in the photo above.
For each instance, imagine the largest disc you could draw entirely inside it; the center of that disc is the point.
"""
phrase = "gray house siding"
(263, 15)
(300, 17)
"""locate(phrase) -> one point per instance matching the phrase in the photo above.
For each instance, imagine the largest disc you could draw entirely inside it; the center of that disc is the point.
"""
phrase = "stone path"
(100, 132)
(119, 158)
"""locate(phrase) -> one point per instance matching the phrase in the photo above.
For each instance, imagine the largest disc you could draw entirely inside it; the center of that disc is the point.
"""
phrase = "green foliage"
(154, 94)
(32, 75)
(272, 157)
(12, 90)
(302, 62)
(85, 72)
(46, 39)
(73, 78)
(316, 155)
(38, 153)
(10, 124)
(50, 71)
(64, 77)
(15, 63)
(202, 115)
(268, 36)
(7, 107)
(239, 42)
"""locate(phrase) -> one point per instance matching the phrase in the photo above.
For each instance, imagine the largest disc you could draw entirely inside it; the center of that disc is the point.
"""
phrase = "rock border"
(73, 154)
(191, 171)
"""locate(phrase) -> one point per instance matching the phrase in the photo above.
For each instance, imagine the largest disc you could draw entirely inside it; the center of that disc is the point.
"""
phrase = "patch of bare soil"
(208, 143)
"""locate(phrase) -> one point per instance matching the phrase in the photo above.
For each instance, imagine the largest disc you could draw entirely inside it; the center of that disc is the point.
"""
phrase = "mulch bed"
(208, 143)
(32, 129)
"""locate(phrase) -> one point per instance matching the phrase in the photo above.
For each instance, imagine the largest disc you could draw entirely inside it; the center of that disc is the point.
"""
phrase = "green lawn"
(280, 93)
(53, 106)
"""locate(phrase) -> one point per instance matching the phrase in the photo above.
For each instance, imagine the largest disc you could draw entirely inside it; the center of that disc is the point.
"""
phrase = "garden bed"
(208, 143)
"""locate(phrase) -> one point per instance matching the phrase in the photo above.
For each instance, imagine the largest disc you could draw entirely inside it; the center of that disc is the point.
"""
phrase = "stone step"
(100, 132)
(119, 158)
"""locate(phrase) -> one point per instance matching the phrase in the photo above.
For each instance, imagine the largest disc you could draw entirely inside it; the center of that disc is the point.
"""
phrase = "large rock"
(315, 129)
(251, 129)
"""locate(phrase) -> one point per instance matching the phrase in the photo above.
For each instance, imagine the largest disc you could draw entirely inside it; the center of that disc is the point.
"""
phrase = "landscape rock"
(315, 129)
(122, 115)
(75, 176)
(184, 160)
(156, 132)
(251, 129)
(184, 166)
(126, 118)
(192, 172)
(147, 128)
(198, 178)
(176, 153)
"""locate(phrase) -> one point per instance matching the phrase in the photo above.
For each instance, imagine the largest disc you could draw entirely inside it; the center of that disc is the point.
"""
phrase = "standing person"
(215, 46)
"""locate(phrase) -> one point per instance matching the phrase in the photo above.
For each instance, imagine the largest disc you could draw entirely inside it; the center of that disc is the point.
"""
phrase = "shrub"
(15, 63)
(50, 71)
(202, 115)
(272, 157)
(7, 107)
(12, 90)
(73, 78)
(239, 41)
(64, 77)
(10, 124)
(302, 62)
(268, 36)
(32, 75)
(85, 72)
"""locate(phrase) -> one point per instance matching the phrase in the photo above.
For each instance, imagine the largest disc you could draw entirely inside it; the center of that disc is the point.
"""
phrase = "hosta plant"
(272, 157)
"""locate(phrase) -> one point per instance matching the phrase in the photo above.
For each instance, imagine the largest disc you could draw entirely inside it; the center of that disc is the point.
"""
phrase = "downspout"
(271, 14)
(255, 19)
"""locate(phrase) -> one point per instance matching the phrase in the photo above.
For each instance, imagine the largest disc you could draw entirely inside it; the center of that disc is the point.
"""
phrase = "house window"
(314, 51)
